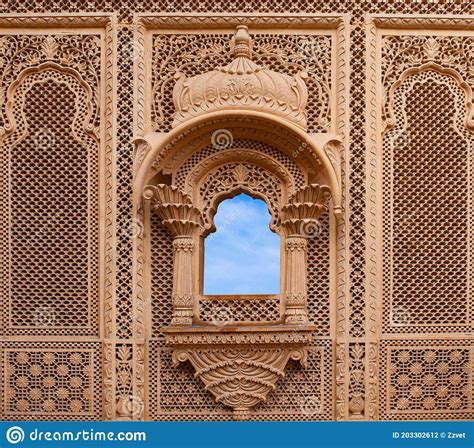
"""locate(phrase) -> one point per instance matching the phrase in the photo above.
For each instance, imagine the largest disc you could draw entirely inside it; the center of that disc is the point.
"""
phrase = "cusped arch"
(82, 125)
(443, 71)
(160, 153)
(233, 171)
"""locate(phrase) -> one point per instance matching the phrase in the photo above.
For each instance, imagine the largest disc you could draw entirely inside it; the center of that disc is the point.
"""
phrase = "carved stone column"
(185, 222)
(296, 290)
(183, 300)
(300, 222)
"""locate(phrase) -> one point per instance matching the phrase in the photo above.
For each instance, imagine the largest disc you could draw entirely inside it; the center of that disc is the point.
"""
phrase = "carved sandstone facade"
(121, 134)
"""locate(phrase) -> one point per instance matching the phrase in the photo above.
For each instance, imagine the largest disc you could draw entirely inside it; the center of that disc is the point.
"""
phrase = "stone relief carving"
(419, 73)
(180, 55)
(242, 84)
(123, 363)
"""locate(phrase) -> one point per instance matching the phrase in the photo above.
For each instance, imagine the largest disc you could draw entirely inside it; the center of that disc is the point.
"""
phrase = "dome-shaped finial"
(242, 42)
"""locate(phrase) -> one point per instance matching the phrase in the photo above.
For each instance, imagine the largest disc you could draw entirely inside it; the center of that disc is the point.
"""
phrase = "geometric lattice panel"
(319, 277)
(427, 210)
(239, 309)
(304, 393)
(431, 380)
(161, 251)
(50, 178)
(51, 381)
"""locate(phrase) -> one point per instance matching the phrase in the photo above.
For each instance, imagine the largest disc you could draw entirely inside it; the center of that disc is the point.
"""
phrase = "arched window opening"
(243, 255)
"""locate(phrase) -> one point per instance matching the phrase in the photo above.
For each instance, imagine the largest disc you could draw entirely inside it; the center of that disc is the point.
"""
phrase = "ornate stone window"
(236, 130)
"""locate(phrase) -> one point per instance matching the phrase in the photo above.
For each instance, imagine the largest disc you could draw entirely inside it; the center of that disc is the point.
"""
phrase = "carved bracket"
(242, 366)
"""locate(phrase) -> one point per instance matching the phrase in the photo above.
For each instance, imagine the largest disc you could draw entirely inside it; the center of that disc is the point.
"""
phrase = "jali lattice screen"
(389, 283)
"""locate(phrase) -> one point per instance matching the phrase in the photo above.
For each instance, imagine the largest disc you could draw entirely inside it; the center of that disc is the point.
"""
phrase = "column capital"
(300, 215)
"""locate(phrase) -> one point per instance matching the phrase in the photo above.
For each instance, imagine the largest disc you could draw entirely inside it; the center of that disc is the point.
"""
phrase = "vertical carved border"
(139, 300)
(341, 389)
(111, 221)
(144, 24)
(373, 253)
(376, 26)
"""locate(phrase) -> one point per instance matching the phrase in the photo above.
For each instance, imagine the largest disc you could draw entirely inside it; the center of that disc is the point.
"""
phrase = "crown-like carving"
(242, 84)
(175, 208)
(300, 215)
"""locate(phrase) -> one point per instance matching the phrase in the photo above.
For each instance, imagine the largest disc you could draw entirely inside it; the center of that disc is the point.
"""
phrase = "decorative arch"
(163, 152)
(232, 172)
(41, 73)
(444, 71)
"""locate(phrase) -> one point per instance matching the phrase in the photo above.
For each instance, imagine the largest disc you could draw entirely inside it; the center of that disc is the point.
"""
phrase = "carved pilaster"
(296, 290)
(185, 221)
(300, 222)
(183, 299)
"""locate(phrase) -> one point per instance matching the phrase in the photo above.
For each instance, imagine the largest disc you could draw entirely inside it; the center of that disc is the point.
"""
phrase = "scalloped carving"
(240, 377)
(242, 84)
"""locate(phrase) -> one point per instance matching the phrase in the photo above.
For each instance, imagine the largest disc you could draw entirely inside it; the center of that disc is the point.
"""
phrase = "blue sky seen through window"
(243, 255)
